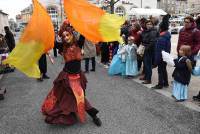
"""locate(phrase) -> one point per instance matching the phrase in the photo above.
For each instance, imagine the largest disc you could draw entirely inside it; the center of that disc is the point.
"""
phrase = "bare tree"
(112, 5)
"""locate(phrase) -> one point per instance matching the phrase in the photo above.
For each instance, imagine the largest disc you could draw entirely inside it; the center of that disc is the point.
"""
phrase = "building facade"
(3, 21)
(123, 7)
(180, 7)
(193, 7)
(168, 6)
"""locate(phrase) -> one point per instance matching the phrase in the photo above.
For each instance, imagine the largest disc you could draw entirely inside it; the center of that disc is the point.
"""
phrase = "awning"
(144, 11)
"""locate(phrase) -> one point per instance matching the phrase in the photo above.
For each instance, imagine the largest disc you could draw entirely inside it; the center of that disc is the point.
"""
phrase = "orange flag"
(92, 22)
(37, 39)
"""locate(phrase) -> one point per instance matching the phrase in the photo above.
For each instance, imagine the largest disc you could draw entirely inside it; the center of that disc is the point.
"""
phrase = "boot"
(93, 113)
(197, 98)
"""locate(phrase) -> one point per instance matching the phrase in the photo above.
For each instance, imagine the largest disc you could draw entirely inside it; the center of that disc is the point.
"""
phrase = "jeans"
(148, 65)
(87, 63)
(162, 74)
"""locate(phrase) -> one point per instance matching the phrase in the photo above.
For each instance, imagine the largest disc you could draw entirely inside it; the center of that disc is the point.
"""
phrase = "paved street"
(126, 107)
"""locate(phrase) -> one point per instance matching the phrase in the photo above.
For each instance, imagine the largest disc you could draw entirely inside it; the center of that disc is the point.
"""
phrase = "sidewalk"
(193, 89)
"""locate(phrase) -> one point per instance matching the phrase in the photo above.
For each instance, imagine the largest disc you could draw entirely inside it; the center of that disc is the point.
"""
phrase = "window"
(120, 11)
(53, 13)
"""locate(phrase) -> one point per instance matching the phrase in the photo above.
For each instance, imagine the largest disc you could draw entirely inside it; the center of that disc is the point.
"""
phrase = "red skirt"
(60, 106)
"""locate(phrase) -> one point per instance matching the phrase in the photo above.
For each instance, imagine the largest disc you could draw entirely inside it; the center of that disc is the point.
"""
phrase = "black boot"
(197, 98)
(93, 113)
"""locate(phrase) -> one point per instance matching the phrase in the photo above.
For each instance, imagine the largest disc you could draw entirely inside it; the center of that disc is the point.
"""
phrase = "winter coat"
(10, 40)
(163, 44)
(89, 49)
(181, 73)
(188, 37)
(197, 41)
(149, 39)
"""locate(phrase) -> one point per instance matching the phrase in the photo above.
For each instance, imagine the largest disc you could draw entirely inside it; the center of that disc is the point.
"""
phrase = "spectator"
(43, 67)
(163, 44)
(9, 38)
(136, 34)
(3, 45)
(148, 38)
(89, 53)
(188, 36)
(182, 74)
(198, 47)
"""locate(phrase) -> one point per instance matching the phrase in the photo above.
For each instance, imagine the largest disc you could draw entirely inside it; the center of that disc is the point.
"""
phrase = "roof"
(144, 11)
(3, 12)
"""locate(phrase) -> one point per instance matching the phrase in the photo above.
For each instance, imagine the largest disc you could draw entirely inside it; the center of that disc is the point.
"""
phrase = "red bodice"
(71, 53)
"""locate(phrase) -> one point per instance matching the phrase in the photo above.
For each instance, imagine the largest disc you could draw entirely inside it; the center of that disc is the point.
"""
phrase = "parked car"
(175, 26)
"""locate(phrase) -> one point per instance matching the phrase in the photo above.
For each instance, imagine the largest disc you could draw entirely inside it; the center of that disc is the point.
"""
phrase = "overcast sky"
(13, 7)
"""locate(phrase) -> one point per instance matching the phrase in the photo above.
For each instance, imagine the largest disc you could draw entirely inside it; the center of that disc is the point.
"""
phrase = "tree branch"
(116, 1)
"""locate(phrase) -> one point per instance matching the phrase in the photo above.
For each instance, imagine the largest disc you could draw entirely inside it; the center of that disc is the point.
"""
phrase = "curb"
(168, 94)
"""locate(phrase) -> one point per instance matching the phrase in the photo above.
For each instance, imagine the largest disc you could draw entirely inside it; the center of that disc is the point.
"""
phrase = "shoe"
(180, 100)
(45, 77)
(92, 70)
(146, 82)
(40, 79)
(1, 97)
(157, 87)
(97, 121)
(196, 98)
(142, 78)
(166, 85)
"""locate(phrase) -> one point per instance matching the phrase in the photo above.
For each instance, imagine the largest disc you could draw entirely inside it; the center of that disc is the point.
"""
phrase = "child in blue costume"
(118, 64)
(131, 58)
(182, 74)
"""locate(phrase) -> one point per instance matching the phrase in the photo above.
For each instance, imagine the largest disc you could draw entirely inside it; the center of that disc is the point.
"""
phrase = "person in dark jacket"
(43, 67)
(149, 37)
(182, 74)
(163, 44)
(9, 38)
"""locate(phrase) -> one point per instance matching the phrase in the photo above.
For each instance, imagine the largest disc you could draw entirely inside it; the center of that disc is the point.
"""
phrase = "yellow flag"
(37, 39)
(92, 22)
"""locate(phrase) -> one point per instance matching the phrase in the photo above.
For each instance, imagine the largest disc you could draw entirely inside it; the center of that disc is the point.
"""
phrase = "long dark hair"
(164, 25)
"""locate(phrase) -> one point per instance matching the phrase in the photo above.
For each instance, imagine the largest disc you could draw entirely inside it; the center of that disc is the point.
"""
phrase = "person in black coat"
(43, 67)
(163, 44)
(148, 39)
(9, 38)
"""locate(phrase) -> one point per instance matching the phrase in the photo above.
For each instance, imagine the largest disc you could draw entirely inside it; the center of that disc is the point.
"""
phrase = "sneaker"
(157, 87)
(97, 121)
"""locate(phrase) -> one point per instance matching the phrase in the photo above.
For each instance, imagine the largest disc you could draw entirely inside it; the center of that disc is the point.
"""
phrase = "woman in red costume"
(67, 101)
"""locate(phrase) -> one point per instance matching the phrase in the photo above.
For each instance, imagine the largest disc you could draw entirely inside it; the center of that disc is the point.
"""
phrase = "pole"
(61, 12)
(141, 3)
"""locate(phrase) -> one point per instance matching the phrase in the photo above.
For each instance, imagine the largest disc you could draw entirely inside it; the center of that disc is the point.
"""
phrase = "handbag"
(140, 50)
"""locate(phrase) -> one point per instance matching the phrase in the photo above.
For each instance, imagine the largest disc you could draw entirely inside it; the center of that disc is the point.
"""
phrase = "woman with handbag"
(149, 37)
